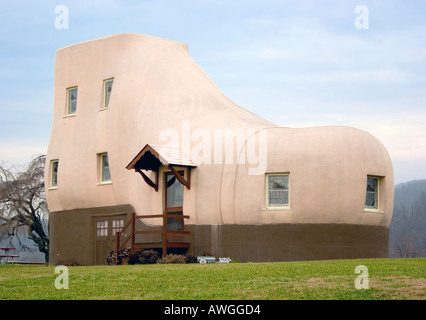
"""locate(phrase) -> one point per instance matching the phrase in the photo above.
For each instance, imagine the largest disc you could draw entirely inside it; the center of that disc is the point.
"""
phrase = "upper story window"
(54, 173)
(72, 100)
(277, 190)
(105, 175)
(372, 193)
(107, 91)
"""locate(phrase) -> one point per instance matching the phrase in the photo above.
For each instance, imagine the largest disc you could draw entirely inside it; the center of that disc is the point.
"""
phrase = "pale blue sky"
(295, 63)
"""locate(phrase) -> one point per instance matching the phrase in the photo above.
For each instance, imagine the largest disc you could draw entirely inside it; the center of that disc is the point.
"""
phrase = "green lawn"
(333, 279)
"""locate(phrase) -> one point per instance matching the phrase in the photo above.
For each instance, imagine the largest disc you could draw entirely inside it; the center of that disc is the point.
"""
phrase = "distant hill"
(407, 231)
(408, 192)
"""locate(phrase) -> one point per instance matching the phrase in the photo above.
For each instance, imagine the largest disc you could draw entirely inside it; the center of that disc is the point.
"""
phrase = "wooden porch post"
(133, 231)
(117, 245)
(164, 235)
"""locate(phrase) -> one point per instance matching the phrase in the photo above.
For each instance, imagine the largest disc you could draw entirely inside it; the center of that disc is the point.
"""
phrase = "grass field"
(315, 280)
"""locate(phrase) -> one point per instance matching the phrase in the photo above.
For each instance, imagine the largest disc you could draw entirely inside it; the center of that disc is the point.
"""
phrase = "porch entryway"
(176, 168)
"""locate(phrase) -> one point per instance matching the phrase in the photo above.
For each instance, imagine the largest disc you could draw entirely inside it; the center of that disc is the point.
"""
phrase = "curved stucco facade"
(328, 169)
(159, 93)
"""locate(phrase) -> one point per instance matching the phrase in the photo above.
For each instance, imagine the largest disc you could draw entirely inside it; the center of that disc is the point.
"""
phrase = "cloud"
(402, 133)
(323, 41)
(19, 152)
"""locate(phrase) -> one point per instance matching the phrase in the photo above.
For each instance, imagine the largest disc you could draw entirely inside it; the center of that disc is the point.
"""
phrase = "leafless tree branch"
(23, 203)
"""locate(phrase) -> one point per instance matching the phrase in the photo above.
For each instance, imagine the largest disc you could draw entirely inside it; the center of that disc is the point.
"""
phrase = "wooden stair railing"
(130, 236)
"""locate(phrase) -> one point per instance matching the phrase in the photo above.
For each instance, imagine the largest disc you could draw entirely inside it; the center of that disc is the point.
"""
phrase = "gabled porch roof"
(152, 156)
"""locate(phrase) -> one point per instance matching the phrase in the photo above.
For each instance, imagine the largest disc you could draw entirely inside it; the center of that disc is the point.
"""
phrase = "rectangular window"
(107, 91)
(277, 190)
(117, 226)
(105, 173)
(54, 173)
(372, 193)
(72, 100)
(102, 228)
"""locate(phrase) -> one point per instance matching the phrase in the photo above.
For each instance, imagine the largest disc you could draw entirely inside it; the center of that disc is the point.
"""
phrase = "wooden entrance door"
(174, 201)
(105, 229)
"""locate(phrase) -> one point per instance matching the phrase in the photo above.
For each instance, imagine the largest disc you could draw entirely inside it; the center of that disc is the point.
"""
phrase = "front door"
(174, 201)
(105, 229)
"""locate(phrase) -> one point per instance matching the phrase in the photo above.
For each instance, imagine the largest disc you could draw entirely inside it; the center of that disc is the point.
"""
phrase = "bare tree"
(407, 248)
(23, 203)
(407, 229)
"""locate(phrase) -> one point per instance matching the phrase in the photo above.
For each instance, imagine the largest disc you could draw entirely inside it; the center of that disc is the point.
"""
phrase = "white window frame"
(68, 109)
(375, 208)
(105, 100)
(53, 176)
(277, 207)
(102, 180)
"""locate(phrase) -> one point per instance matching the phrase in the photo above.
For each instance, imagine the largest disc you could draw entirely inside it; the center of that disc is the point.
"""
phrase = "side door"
(105, 229)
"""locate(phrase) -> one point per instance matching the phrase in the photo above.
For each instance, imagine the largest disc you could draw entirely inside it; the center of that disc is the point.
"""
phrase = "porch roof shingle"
(165, 155)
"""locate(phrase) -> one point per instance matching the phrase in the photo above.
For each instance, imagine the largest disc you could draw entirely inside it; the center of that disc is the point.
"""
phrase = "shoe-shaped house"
(147, 152)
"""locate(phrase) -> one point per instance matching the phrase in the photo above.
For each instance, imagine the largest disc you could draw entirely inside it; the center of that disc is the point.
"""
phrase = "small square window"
(72, 100)
(277, 190)
(372, 193)
(107, 91)
(54, 173)
(105, 173)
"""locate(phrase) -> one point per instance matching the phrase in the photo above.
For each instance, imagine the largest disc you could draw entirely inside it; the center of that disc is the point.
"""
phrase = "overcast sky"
(295, 63)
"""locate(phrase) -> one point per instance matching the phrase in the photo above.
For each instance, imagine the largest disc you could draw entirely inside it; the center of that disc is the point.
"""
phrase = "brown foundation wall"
(290, 242)
(73, 239)
(72, 234)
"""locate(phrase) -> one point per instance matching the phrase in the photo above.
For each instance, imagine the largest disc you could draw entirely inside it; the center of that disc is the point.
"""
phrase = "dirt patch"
(400, 288)
(331, 282)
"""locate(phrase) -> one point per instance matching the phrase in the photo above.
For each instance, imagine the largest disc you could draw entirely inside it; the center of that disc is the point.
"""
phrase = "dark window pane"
(278, 190)
(371, 193)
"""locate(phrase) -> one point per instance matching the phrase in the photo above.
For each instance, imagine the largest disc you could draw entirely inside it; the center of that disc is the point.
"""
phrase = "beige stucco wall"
(158, 86)
(328, 168)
